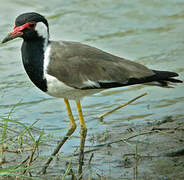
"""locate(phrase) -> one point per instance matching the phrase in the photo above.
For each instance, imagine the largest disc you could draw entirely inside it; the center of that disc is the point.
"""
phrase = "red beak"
(16, 33)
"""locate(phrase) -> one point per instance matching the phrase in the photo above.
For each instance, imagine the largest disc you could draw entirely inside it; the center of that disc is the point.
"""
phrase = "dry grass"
(21, 147)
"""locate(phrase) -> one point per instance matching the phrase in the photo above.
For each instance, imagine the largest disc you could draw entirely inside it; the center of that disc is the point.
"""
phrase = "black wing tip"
(165, 73)
(174, 80)
(167, 76)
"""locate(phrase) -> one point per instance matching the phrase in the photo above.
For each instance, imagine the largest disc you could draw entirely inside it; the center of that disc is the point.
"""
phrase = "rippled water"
(148, 32)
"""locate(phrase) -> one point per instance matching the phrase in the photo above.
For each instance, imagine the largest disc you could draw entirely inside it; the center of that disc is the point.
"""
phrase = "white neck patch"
(42, 31)
(46, 59)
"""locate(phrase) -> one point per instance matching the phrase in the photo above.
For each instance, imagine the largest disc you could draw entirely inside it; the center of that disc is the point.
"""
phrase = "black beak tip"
(10, 37)
(6, 39)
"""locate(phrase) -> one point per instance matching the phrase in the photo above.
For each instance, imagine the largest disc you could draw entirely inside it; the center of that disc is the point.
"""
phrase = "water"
(147, 32)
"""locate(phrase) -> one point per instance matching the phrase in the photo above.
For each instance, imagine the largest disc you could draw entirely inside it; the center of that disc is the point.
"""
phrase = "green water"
(148, 32)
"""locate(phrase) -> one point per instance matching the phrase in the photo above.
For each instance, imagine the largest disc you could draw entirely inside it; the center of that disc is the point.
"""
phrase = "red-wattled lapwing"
(72, 70)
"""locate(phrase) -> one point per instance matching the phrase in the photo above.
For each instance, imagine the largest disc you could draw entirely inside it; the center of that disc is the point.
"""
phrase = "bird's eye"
(32, 25)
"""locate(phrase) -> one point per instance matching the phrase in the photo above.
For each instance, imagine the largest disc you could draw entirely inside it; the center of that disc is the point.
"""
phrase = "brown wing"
(82, 66)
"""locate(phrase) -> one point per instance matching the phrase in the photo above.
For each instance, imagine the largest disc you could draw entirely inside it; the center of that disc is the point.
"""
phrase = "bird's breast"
(59, 89)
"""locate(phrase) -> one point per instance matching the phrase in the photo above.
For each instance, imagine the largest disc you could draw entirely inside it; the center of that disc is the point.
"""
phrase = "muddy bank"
(151, 151)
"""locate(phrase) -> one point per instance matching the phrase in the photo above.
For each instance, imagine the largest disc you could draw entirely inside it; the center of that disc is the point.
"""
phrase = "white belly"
(57, 88)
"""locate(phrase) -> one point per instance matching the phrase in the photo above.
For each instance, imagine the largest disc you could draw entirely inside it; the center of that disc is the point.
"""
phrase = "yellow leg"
(68, 134)
(72, 121)
(83, 133)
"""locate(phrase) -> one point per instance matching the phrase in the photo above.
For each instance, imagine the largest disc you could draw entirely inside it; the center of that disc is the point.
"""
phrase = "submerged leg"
(83, 133)
(68, 134)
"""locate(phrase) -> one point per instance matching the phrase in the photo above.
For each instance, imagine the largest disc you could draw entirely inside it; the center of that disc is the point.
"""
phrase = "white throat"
(43, 32)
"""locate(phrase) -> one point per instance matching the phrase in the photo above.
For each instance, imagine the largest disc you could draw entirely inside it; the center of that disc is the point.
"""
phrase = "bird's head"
(29, 26)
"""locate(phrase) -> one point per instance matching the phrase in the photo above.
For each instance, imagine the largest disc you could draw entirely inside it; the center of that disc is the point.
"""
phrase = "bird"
(72, 70)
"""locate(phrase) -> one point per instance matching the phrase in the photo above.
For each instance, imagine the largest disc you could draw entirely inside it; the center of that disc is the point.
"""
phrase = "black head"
(30, 17)
(29, 26)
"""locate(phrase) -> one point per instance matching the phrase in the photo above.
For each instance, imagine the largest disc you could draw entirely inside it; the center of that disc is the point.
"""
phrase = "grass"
(24, 148)
(13, 141)
(5, 125)
(18, 140)
(23, 143)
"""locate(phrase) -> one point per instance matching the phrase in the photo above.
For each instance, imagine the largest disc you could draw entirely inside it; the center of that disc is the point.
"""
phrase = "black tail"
(166, 76)
(162, 77)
